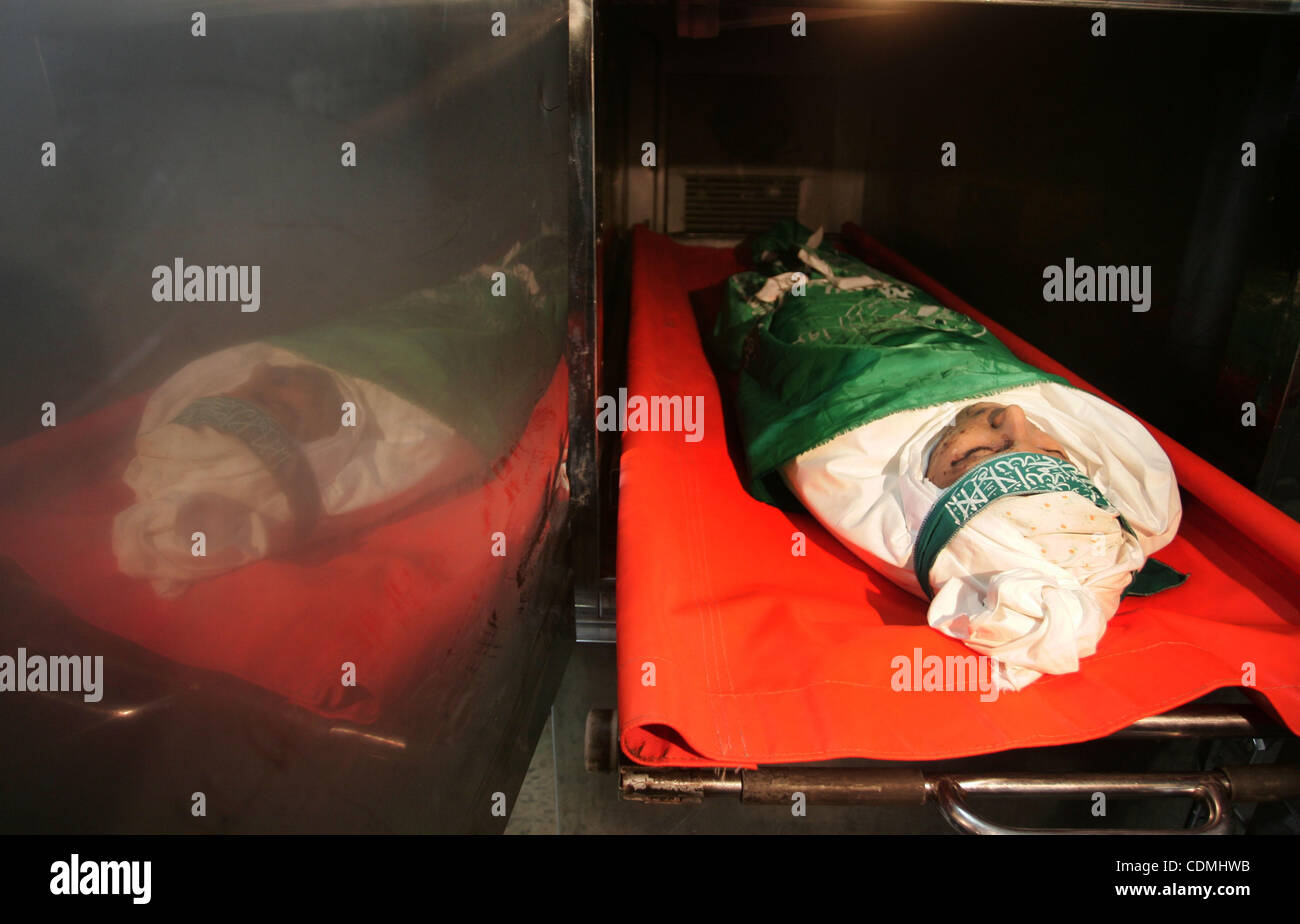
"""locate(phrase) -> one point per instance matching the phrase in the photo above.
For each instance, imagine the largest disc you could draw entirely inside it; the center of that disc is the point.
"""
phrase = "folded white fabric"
(1030, 581)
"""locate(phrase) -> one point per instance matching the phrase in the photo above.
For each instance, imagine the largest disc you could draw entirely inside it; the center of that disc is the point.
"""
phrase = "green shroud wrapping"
(477, 361)
(814, 366)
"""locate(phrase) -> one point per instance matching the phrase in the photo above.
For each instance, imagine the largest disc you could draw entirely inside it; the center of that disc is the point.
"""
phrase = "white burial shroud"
(394, 446)
(1029, 581)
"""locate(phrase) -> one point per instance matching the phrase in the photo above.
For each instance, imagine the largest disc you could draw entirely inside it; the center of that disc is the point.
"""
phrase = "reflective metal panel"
(285, 412)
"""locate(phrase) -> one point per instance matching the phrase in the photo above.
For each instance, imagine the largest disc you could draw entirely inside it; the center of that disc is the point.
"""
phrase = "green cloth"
(1154, 577)
(815, 366)
(477, 361)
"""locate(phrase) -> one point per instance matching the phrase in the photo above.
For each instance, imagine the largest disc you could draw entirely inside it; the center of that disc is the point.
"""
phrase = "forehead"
(967, 413)
(292, 375)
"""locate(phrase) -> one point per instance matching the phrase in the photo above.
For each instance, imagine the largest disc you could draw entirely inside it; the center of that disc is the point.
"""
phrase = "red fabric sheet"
(382, 599)
(732, 651)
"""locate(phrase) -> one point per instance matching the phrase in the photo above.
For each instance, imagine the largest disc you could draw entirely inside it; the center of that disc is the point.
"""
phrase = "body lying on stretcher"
(1022, 507)
(258, 449)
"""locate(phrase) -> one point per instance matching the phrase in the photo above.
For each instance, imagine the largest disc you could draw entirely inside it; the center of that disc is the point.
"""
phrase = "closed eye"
(1006, 444)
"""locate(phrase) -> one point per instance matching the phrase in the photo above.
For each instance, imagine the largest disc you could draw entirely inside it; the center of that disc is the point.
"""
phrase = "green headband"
(272, 445)
(1011, 475)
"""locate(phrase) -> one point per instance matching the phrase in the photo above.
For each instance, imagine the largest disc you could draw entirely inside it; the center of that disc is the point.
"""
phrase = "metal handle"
(1212, 791)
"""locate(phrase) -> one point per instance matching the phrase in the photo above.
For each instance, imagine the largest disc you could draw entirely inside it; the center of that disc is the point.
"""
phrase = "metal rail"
(1208, 720)
(582, 352)
(1215, 790)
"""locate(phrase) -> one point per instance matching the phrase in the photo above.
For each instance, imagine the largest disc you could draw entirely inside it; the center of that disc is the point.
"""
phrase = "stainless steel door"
(292, 276)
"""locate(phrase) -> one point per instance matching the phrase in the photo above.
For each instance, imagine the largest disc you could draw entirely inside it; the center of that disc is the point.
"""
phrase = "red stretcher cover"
(382, 599)
(732, 651)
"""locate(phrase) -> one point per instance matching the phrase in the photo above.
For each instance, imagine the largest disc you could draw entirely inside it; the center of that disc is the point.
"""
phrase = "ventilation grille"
(727, 203)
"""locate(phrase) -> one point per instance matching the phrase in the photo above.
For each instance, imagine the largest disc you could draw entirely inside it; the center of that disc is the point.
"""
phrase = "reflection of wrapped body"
(847, 392)
(265, 446)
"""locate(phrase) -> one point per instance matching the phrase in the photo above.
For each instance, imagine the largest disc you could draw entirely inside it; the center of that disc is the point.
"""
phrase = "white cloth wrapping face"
(187, 480)
(1029, 581)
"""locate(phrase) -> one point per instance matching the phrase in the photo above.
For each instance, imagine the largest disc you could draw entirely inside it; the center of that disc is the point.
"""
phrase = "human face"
(302, 399)
(980, 432)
